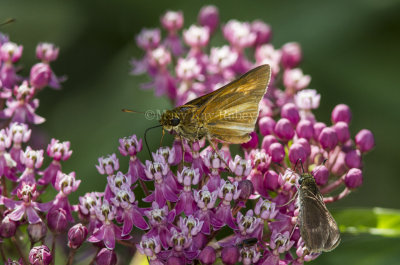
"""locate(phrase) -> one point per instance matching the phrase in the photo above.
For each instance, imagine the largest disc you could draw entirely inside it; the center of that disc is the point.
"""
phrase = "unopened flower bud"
(291, 55)
(353, 178)
(342, 131)
(252, 143)
(263, 32)
(341, 112)
(106, 257)
(365, 140)
(318, 127)
(321, 175)
(353, 159)
(77, 235)
(328, 138)
(277, 152)
(209, 17)
(40, 75)
(230, 255)
(290, 112)
(297, 153)
(267, 141)
(57, 220)
(207, 255)
(305, 129)
(37, 232)
(47, 52)
(40, 255)
(266, 125)
(271, 180)
(246, 189)
(284, 130)
(7, 227)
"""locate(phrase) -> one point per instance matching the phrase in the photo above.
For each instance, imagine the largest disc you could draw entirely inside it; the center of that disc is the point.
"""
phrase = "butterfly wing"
(317, 226)
(230, 113)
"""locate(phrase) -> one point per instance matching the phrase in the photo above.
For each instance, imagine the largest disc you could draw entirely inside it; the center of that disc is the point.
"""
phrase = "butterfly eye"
(175, 122)
(300, 181)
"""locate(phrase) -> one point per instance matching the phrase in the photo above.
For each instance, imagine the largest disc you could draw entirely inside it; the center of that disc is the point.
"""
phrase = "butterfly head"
(169, 120)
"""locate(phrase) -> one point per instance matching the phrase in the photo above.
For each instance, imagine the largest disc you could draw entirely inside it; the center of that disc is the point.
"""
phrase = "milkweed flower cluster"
(24, 178)
(193, 200)
(199, 205)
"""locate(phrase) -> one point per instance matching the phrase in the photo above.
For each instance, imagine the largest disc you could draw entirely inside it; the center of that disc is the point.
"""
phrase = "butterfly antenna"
(132, 111)
(8, 21)
(145, 139)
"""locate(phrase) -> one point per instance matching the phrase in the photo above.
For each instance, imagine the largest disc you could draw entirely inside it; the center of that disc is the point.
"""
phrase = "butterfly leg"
(218, 154)
(183, 151)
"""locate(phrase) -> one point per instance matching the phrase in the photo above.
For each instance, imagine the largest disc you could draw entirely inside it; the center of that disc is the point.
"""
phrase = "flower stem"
(3, 255)
(94, 258)
(144, 187)
(53, 249)
(19, 249)
(71, 256)
(127, 243)
(332, 186)
(340, 196)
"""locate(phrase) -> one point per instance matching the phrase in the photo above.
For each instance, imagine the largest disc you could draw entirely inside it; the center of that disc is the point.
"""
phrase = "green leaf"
(375, 221)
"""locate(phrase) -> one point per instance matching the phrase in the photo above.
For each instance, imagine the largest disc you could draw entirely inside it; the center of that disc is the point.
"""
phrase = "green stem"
(19, 249)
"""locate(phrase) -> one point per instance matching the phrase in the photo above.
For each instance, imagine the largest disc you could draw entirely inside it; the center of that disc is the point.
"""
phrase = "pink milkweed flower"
(248, 223)
(131, 146)
(221, 59)
(150, 246)
(266, 54)
(215, 165)
(31, 159)
(27, 205)
(187, 177)
(196, 37)
(10, 52)
(239, 34)
(190, 225)
(161, 222)
(118, 181)
(180, 244)
(206, 202)
(131, 214)
(164, 182)
(108, 232)
(294, 80)
(22, 109)
(58, 151)
(280, 242)
(188, 69)
(107, 165)
(227, 192)
(172, 21)
(288, 179)
(266, 209)
(307, 99)
(241, 167)
(87, 206)
(65, 184)
(249, 255)
(47, 52)
(148, 39)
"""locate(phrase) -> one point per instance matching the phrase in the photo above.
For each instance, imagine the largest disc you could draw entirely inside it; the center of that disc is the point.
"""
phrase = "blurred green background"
(351, 49)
